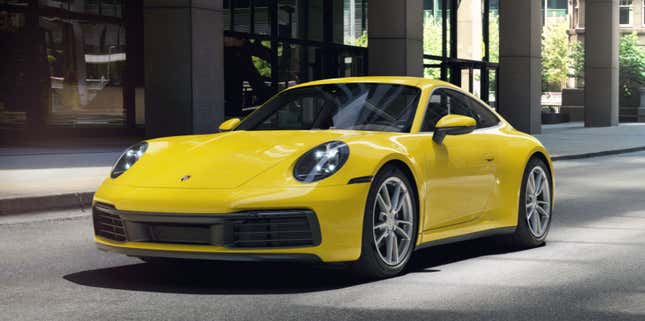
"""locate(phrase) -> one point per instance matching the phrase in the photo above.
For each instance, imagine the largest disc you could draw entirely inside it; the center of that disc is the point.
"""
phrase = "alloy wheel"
(538, 202)
(393, 218)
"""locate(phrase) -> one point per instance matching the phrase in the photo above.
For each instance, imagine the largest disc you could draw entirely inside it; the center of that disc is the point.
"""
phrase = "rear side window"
(486, 118)
(444, 102)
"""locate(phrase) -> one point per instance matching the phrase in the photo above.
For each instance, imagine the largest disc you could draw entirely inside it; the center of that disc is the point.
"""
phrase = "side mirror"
(229, 125)
(453, 125)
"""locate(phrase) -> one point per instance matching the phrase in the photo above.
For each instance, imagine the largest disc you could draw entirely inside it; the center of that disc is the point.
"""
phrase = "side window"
(438, 107)
(445, 101)
(486, 117)
(459, 105)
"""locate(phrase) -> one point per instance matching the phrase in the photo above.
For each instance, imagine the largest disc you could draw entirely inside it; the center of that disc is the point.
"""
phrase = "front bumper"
(334, 214)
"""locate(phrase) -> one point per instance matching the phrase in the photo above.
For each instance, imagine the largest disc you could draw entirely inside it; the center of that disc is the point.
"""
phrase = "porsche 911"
(357, 170)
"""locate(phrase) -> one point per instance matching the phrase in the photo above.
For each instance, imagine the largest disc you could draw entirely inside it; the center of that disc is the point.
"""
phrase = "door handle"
(489, 157)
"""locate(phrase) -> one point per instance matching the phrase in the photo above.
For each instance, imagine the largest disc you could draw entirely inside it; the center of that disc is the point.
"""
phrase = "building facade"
(166, 67)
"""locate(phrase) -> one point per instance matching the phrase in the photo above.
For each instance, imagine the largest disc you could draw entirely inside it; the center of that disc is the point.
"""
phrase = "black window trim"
(423, 119)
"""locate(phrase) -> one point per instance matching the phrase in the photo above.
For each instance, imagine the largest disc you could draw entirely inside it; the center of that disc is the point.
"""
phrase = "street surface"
(593, 268)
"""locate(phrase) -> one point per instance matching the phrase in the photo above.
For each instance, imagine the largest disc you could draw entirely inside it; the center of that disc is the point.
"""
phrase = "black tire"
(523, 237)
(370, 265)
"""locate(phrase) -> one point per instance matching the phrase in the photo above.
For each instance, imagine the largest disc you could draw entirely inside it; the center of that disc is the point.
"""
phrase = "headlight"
(321, 162)
(128, 158)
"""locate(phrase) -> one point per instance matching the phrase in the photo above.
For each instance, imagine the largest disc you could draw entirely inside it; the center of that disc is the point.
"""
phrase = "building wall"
(577, 20)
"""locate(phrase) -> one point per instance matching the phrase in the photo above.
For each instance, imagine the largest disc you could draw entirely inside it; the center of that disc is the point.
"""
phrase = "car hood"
(221, 161)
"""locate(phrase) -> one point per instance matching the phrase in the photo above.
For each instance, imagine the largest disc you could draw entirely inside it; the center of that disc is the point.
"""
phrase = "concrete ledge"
(46, 202)
(598, 154)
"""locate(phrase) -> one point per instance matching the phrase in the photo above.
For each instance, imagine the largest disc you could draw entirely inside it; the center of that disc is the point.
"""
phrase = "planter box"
(573, 103)
(555, 118)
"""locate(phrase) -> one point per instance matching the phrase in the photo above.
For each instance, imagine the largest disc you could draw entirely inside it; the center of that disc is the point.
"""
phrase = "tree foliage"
(632, 63)
(432, 42)
(555, 56)
(577, 60)
(493, 36)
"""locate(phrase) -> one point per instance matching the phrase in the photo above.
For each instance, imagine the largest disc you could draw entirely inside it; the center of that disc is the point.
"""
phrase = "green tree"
(360, 41)
(493, 36)
(555, 56)
(432, 42)
(632, 63)
(577, 60)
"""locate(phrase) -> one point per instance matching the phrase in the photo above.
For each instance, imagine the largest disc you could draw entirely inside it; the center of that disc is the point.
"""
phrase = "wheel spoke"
(395, 249)
(380, 238)
(396, 197)
(390, 247)
(530, 186)
(542, 211)
(381, 202)
(380, 226)
(543, 203)
(538, 184)
(403, 222)
(402, 232)
(385, 195)
(535, 221)
(400, 202)
(530, 213)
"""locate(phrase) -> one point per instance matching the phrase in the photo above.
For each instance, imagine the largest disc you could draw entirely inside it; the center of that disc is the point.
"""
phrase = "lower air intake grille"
(290, 231)
(252, 229)
(109, 226)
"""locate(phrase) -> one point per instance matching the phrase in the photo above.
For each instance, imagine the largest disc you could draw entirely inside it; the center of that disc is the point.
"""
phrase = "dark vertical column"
(520, 72)
(133, 14)
(395, 37)
(601, 63)
(184, 66)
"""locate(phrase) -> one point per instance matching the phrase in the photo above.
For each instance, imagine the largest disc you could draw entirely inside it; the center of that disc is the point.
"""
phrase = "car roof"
(400, 80)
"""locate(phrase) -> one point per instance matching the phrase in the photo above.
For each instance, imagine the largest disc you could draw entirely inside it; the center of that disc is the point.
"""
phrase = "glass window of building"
(301, 19)
(270, 45)
(68, 64)
(433, 36)
(625, 12)
(86, 63)
(355, 22)
(461, 44)
(110, 8)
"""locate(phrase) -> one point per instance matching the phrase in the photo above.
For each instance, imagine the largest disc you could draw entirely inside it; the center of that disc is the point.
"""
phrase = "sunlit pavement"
(593, 268)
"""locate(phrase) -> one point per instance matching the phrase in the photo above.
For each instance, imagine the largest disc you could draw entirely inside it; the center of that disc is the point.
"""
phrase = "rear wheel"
(389, 226)
(534, 214)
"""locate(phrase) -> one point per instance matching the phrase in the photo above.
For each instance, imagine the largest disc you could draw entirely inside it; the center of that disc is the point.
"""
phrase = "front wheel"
(535, 208)
(389, 226)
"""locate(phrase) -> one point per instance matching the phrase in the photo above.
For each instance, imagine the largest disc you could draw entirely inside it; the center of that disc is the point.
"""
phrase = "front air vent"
(290, 231)
(108, 225)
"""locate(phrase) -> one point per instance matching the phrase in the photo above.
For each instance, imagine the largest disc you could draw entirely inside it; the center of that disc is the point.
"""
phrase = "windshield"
(356, 106)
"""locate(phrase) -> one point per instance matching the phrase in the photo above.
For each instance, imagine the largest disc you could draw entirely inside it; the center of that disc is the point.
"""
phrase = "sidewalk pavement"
(573, 140)
(43, 178)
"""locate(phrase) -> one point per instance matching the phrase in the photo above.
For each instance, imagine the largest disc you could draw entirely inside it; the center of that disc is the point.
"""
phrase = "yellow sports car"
(363, 170)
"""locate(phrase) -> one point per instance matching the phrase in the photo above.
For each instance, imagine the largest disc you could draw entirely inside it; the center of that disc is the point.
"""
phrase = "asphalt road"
(593, 268)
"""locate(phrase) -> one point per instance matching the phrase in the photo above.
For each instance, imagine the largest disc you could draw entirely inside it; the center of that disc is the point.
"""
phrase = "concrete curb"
(47, 202)
(599, 154)
(84, 200)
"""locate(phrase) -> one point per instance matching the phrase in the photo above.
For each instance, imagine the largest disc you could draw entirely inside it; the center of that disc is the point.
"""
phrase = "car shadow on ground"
(197, 277)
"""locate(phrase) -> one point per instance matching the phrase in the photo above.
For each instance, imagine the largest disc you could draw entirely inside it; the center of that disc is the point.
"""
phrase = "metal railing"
(451, 71)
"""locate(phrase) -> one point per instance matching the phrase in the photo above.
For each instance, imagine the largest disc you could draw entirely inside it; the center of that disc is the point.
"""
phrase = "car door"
(461, 170)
